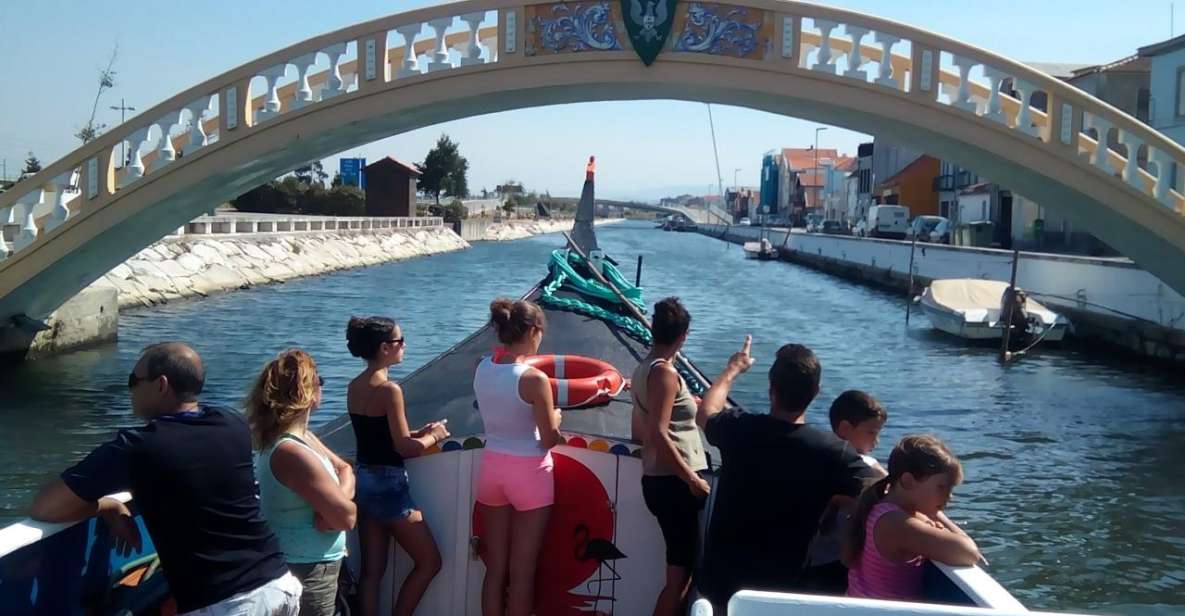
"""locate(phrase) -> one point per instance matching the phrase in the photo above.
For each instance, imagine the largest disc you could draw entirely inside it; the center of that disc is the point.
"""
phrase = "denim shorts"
(382, 492)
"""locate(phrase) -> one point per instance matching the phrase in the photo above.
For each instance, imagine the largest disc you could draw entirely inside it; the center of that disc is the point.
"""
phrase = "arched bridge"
(82, 215)
(690, 213)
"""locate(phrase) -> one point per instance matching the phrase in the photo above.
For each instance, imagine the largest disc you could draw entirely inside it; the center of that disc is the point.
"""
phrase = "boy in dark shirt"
(777, 476)
(190, 473)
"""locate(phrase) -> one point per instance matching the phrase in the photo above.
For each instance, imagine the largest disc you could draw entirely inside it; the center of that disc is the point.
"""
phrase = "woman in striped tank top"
(899, 523)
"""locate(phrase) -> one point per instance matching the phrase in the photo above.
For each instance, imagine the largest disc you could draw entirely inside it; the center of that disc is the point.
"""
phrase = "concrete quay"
(1111, 302)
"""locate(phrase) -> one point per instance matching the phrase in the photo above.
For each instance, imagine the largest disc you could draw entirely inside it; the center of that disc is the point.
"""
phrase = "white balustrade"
(1164, 172)
(962, 99)
(823, 61)
(411, 64)
(66, 186)
(304, 92)
(994, 110)
(440, 57)
(1099, 157)
(197, 133)
(28, 233)
(856, 53)
(134, 170)
(884, 70)
(473, 51)
(271, 106)
(1024, 117)
(335, 85)
(165, 152)
(1131, 168)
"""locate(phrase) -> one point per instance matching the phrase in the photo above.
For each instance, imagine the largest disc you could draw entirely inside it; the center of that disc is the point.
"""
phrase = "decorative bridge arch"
(84, 214)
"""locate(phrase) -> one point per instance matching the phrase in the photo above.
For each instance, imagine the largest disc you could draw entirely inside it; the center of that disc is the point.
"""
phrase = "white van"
(889, 221)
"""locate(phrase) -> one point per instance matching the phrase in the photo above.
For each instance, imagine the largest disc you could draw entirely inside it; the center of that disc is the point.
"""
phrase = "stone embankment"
(478, 230)
(198, 265)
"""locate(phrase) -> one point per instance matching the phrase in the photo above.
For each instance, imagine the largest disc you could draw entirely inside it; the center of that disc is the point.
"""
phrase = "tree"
(32, 165)
(312, 173)
(88, 133)
(443, 171)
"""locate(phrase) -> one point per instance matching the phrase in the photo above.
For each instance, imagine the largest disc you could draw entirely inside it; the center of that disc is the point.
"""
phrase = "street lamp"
(817, 131)
(123, 110)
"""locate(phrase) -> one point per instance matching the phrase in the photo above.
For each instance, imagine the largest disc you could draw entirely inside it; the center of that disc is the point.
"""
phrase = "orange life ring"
(578, 381)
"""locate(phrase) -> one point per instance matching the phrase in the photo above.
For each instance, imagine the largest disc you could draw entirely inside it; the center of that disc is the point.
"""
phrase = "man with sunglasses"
(190, 473)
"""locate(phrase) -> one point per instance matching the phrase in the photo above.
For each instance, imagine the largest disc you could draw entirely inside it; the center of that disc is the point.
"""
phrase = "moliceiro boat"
(603, 553)
(973, 309)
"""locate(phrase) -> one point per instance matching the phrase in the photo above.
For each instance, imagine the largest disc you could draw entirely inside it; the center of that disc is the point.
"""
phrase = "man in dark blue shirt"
(777, 476)
(190, 474)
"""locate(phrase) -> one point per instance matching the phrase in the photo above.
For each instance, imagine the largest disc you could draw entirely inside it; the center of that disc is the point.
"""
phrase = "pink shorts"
(523, 482)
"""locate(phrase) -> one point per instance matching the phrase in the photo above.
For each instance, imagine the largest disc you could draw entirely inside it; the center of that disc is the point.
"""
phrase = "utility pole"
(817, 131)
(123, 110)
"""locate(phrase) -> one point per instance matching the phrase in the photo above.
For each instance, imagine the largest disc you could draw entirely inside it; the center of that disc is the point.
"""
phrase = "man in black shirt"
(190, 474)
(777, 476)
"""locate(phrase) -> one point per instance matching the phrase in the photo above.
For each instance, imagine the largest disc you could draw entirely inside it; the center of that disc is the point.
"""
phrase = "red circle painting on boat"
(582, 514)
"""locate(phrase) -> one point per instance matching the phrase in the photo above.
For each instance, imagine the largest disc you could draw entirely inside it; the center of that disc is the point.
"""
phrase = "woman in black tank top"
(385, 507)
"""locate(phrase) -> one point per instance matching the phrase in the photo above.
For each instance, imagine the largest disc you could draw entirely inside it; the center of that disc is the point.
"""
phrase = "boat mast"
(582, 231)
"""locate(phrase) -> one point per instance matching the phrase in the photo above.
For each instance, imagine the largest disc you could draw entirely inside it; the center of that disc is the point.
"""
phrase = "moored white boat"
(971, 308)
(762, 250)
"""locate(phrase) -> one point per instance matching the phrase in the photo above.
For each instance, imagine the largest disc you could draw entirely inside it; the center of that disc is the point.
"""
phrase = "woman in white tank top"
(515, 489)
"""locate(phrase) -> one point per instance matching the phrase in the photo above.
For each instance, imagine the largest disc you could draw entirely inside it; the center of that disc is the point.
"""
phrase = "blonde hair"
(920, 455)
(283, 395)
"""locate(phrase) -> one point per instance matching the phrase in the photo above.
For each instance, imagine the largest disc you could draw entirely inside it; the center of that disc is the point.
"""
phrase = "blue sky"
(54, 49)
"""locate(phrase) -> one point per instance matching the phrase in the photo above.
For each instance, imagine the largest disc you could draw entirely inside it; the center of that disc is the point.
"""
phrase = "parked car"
(922, 226)
(834, 227)
(745, 222)
(814, 223)
(860, 229)
(888, 221)
(941, 233)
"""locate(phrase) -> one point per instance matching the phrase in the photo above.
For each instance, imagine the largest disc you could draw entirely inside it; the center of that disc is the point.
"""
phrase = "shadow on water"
(1073, 461)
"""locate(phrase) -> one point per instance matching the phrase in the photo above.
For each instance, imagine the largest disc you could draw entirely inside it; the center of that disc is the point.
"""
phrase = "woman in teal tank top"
(306, 491)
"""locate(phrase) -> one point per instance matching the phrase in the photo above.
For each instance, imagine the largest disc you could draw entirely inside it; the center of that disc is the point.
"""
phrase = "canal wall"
(197, 264)
(481, 230)
(90, 317)
(1110, 301)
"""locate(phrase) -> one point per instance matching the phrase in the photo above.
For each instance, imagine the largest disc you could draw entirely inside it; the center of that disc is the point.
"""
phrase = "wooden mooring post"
(909, 292)
(1009, 307)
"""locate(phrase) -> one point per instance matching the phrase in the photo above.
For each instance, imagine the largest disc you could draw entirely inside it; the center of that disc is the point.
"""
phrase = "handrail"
(29, 531)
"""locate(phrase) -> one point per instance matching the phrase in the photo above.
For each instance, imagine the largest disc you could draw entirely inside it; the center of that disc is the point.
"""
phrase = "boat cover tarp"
(979, 300)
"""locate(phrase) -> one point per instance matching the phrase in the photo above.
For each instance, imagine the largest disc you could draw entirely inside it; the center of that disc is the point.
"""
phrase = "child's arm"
(902, 537)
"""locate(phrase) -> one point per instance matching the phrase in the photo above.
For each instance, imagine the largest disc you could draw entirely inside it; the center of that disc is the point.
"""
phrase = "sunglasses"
(395, 341)
(134, 379)
(320, 381)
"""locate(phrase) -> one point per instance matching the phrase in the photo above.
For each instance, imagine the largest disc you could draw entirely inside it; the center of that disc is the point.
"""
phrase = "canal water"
(1075, 483)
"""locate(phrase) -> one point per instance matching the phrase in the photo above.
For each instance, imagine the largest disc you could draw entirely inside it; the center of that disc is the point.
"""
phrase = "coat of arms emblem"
(648, 23)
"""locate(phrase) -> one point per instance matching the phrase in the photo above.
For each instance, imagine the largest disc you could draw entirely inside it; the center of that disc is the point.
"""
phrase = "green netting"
(564, 276)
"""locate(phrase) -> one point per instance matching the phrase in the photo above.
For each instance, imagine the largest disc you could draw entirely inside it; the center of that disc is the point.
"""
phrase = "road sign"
(353, 172)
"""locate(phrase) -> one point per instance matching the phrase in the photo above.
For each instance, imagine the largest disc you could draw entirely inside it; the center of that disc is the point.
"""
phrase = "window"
(1180, 92)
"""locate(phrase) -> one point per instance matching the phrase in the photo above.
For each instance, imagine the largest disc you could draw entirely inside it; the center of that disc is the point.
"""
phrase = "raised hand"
(741, 361)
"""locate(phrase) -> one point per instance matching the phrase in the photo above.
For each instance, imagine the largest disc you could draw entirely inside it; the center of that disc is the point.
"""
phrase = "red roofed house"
(391, 188)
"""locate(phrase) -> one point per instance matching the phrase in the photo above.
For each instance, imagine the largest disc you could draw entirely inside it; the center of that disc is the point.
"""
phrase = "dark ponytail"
(514, 319)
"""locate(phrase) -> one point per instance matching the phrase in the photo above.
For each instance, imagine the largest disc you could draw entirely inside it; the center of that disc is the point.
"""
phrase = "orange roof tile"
(804, 158)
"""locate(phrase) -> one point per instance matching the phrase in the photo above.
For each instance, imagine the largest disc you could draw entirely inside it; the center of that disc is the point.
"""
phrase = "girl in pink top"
(899, 523)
